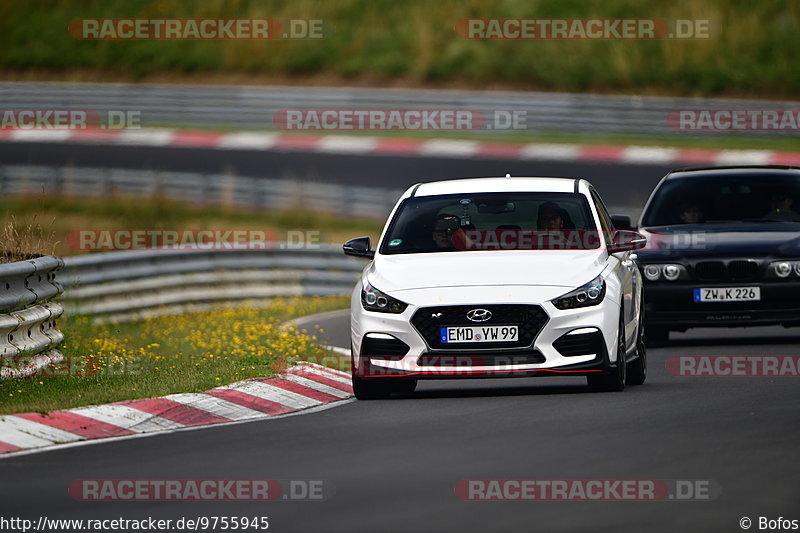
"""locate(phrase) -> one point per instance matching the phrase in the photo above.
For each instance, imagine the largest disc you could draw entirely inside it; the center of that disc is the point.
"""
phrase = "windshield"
(491, 221)
(725, 198)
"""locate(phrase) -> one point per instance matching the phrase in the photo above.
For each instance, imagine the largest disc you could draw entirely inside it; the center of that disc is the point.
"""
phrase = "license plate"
(728, 294)
(479, 334)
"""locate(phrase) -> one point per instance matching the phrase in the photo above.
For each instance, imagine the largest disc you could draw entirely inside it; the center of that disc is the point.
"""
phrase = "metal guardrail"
(27, 316)
(254, 107)
(223, 189)
(131, 285)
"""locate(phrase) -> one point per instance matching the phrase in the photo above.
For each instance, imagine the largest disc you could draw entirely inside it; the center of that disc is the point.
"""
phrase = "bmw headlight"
(669, 272)
(783, 269)
(584, 296)
(374, 300)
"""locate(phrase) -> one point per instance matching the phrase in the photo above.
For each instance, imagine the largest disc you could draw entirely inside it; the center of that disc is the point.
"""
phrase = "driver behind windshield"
(781, 207)
(550, 217)
(444, 227)
(690, 214)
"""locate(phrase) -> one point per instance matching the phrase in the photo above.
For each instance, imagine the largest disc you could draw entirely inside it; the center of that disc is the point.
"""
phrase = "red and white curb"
(304, 386)
(360, 145)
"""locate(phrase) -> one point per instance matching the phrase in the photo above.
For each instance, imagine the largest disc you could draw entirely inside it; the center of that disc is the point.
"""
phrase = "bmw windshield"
(491, 221)
(725, 198)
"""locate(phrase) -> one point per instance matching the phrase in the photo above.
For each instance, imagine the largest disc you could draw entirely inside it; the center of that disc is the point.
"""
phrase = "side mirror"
(621, 222)
(624, 240)
(359, 247)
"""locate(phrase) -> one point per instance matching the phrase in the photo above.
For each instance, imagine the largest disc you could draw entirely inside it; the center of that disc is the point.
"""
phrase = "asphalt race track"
(394, 463)
(619, 184)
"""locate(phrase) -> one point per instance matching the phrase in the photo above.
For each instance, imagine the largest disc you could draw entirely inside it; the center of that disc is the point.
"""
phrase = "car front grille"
(742, 270)
(530, 319)
(735, 270)
(709, 270)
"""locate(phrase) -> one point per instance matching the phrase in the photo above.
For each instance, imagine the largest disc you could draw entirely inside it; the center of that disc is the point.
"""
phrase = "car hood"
(556, 268)
(704, 240)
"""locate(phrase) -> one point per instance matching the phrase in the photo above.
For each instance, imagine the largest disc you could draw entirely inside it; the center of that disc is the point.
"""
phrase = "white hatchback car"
(497, 277)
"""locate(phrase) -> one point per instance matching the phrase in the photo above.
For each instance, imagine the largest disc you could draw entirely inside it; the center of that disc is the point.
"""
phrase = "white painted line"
(41, 135)
(336, 349)
(275, 394)
(744, 157)
(648, 154)
(126, 417)
(248, 141)
(91, 442)
(560, 152)
(20, 439)
(34, 437)
(345, 380)
(316, 385)
(321, 368)
(42, 431)
(145, 137)
(347, 145)
(216, 406)
(450, 148)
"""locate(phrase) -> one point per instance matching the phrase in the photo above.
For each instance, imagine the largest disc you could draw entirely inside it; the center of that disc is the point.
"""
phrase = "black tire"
(404, 386)
(637, 369)
(364, 389)
(612, 380)
(657, 335)
(377, 389)
(380, 388)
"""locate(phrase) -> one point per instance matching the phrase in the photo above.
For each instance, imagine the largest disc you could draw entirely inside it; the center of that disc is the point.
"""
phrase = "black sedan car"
(723, 249)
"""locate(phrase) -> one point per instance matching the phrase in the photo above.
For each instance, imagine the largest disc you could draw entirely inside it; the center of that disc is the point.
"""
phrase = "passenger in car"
(690, 214)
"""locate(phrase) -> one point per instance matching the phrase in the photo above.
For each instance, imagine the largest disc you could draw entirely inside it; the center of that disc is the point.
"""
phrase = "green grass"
(51, 219)
(188, 353)
(754, 52)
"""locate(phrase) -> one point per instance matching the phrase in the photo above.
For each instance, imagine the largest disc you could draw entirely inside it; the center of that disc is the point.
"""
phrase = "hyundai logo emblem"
(479, 315)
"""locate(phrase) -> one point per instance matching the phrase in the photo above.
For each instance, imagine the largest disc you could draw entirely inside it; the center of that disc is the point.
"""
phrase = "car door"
(625, 269)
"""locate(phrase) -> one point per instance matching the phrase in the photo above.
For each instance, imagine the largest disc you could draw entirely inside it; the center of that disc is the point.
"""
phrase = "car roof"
(700, 172)
(506, 184)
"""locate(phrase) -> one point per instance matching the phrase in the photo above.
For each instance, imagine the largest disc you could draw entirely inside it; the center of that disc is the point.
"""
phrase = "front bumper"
(671, 304)
(371, 368)
(549, 361)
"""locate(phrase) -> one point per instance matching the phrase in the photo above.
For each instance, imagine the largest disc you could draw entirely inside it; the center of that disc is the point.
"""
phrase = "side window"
(605, 220)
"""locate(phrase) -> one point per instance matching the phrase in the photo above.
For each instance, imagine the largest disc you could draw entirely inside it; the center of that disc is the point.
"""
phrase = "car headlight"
(584, 296)
(669, 272)
(374, 300)
(783, 269)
